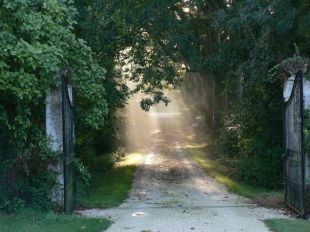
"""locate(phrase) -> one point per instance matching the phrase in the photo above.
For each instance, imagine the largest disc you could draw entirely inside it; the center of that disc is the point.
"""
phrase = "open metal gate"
(68, 145)
(295, 149)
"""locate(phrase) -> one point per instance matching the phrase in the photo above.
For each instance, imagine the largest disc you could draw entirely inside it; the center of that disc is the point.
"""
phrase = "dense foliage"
(37, 42)
(247, 59)
(252, 52)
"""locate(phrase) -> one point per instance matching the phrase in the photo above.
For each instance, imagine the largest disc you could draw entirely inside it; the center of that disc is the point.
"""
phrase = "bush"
(24, 177)
(102, 163)
(258, 170)
(251, 135)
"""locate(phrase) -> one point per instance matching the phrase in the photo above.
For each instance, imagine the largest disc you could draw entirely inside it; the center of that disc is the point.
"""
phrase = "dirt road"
(171, 193)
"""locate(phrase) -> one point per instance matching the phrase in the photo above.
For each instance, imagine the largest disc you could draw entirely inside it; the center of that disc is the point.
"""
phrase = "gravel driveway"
(171, 193)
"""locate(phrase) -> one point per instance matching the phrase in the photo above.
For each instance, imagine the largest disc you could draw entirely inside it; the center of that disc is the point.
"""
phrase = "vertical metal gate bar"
(74, 173)
(302, 115)
(284, 149)
(64, 144)
(68, 146)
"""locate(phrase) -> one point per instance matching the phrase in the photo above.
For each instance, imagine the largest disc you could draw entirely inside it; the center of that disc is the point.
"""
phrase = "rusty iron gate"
(295, 148)
(68, 144)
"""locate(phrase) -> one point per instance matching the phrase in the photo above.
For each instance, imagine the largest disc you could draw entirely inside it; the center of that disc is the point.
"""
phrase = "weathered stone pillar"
(55, 135)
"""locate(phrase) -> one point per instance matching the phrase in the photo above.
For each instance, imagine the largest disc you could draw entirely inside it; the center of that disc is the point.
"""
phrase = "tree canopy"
(227, 53)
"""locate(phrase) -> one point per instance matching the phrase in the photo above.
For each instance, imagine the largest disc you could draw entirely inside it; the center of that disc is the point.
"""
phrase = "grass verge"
(222, 174)
(288, 225)
(112, 188)
(36, 221)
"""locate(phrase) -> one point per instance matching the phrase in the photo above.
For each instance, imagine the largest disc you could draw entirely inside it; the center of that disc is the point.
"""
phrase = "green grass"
(110, 190)
(35, 221)
(288, 225)
(222, 174)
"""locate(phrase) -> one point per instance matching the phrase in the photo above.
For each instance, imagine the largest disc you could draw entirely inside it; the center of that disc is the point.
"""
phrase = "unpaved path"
(171, 193)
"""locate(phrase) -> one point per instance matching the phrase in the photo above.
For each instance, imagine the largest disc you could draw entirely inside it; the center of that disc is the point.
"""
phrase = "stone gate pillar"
(54, 132)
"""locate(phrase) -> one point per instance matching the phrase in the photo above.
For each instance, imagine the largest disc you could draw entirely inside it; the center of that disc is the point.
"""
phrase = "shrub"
(251, 135)
(24, 176)
(259, 170)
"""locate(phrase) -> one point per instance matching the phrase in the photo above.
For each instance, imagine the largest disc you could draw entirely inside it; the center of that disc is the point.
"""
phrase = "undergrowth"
(110, 189)
(225, 175)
